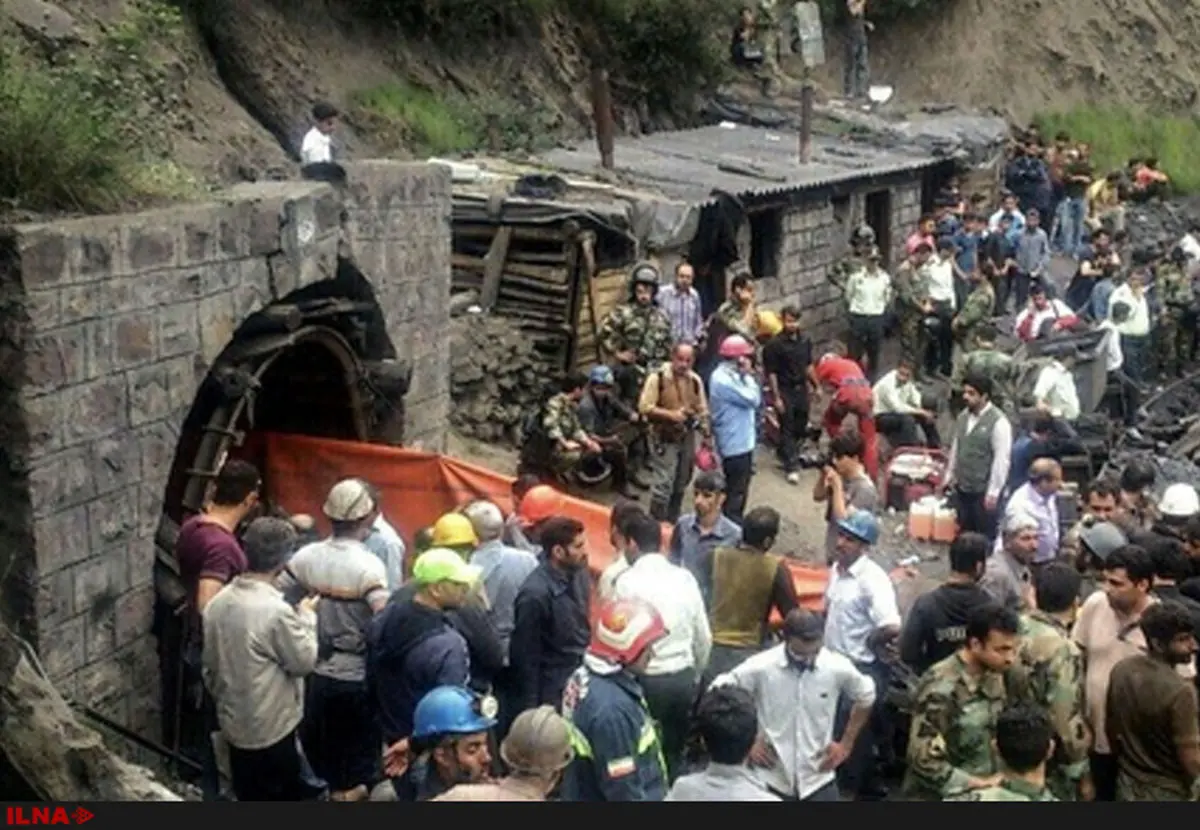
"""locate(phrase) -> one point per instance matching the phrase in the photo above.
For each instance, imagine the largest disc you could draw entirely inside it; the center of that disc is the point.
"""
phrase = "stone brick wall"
(806, 252)
(110, 324)
(906, 213)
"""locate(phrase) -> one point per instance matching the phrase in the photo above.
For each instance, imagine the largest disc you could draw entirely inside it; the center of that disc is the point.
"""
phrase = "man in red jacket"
(851, 394)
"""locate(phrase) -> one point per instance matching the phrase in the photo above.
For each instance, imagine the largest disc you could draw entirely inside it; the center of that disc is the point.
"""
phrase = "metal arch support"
(257, 355)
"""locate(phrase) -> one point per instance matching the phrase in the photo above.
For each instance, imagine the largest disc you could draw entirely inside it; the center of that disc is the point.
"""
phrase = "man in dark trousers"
(980, 454)
(551, 633)
(787, 358)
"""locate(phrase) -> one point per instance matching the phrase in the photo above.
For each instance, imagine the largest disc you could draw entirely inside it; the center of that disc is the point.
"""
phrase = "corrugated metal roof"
(690, 164)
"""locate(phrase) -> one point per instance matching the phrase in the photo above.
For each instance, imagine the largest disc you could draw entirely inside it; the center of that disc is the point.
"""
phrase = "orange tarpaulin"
(418, 487)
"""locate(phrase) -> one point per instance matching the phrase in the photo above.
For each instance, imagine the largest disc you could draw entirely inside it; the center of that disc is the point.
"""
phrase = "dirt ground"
(1027, 56)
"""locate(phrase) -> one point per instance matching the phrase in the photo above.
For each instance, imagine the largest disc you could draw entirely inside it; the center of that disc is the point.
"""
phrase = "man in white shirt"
(898, 411)
(1135, 330)
(1041, 313)
(317, 147)
(1038, 499)
(726, 720)
(862, 618)
(1054, 391)
(1130, 397)
(257, 651)
(868, 293)
(980, 455)
(939, 275)
(797, 687)
(673, 673)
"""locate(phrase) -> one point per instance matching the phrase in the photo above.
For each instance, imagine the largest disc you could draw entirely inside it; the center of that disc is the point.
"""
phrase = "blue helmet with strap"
(453, 710)
(861, 525)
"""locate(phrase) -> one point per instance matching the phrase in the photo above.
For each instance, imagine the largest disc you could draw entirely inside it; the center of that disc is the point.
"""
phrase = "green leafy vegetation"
(1118, 134)
(401, 115)
(659, 53)
(87, 133)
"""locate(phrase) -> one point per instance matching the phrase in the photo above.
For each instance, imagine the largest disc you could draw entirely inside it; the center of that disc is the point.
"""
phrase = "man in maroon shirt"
(209, 556)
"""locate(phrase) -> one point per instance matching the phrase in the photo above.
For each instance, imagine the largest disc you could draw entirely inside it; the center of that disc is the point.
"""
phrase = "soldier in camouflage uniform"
(567, 440)
(1053, 667)
(975, 313)
(911, 285)
(768, 22)
(738, 314)
(1175, 299)
(988, 361)
(637, 334)
(1024, 740)
(957, 702)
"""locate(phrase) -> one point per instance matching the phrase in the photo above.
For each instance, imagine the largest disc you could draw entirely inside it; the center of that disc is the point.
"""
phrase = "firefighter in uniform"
(637, 334)
(618, 753)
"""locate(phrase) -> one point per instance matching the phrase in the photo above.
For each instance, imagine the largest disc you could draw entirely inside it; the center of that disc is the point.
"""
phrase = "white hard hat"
(349, 501)
(1179, 501)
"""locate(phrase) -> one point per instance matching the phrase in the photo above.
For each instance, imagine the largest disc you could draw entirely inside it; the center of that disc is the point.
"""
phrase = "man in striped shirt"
(681, 303)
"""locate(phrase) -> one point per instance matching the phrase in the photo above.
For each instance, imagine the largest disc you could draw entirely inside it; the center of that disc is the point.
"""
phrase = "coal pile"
(496, 377)
(1156, 227)
(1168, 469)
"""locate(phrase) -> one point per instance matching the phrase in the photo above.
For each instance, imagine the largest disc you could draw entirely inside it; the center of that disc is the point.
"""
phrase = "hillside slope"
(1028, 56)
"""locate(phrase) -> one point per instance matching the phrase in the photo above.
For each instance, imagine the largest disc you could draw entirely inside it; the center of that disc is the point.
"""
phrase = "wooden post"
(602, 116)
(806, 114)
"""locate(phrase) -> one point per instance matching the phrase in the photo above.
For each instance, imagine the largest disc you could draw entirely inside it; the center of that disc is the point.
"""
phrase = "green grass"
(417, 118)
(1118, 134)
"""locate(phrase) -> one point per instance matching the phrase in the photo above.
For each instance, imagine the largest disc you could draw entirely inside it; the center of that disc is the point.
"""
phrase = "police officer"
(1175, 301)
(955, 709)
(618, 756)
(862, 245)
(637, 334)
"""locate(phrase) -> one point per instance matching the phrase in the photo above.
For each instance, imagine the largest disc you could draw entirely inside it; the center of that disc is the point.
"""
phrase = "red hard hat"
(624, 629)
(539, 503)
(735, 346)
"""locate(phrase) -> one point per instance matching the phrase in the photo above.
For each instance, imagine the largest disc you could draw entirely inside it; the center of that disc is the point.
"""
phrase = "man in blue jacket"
(450, 743)
(734, 396)
(618, 754)
(412, 649)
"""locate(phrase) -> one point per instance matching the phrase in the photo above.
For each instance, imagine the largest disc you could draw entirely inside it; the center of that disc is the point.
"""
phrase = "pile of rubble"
(496, 377)
(1155, 227)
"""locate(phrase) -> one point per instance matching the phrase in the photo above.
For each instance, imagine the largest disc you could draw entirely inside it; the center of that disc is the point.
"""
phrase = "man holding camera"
(674, 404)
(844, 485)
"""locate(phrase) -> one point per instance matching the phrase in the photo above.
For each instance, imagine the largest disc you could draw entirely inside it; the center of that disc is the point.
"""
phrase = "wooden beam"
(493, 266)
(537, 272)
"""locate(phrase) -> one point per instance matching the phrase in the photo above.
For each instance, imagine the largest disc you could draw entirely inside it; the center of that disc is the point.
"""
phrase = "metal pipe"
(130, 735)
(602, 115)
(806, 115)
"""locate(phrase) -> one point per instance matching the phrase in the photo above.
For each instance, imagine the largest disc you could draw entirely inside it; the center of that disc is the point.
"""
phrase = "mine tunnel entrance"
(318, 363)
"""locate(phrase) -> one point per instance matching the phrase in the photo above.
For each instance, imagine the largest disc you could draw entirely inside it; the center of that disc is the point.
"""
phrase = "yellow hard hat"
(452, 530)
(769, 323)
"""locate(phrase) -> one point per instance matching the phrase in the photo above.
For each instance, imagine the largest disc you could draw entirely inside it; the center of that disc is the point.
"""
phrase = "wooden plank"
(487, 231)
(493, 266)
(537, 272)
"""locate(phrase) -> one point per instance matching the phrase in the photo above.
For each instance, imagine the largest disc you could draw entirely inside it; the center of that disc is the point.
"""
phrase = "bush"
(404, 115)
(1118, 134)
(60, 150)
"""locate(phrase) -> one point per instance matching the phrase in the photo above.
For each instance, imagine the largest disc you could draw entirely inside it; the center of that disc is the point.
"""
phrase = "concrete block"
(134, 615)
(150, 246)
(94, 410)
(44, 254)
(55, 359)
(60, 648)
(218, 322)
(44, 423)
(178, 329)
(61, 480)
(183, 380)
(115, 462)
(101, 579)
(95, 252)
(156, 443)
(44, 308)
(99, 633)
(107, 678)
(150, 507)
(113, 519)
(149, 394)
(135, 339)
(61, 539)
(55, 600)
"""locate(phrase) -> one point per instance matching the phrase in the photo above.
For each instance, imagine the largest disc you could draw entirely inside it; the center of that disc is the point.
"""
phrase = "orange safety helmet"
(625, 628)
(538, 504)
(735, 346)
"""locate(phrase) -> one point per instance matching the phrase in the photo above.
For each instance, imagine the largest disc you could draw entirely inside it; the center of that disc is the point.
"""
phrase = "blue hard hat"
(453, 710)
(861, 525)
(601, 376)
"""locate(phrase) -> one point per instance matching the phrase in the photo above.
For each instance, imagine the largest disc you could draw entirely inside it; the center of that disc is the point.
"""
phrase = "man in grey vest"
(980, 455)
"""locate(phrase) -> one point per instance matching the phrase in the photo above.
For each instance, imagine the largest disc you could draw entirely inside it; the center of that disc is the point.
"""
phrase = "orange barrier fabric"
(418, 487)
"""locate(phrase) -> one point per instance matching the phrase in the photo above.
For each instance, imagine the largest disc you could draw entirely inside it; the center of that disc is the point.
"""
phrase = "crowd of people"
(484, 661)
